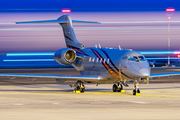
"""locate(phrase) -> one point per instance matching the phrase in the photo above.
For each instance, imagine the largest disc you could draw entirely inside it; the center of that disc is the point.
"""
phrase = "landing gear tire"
(138, 91)
(115, 88)
(134, 92)
(120, 88)
(77, 88)
(82, 89)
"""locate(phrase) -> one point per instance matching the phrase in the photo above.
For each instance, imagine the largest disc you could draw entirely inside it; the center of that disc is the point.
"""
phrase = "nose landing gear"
(136, 90)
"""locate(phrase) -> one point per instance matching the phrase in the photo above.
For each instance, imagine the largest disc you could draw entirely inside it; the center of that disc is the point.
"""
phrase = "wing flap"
(164, 74)
(67, 77)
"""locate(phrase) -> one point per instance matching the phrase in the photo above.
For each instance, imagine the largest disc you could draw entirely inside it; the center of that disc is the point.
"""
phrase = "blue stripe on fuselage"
(108, 64)
(102, 58)
(112, 62)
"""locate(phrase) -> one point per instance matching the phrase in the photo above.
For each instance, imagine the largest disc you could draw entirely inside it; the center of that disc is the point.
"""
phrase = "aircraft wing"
(65, 77)
(163, 74)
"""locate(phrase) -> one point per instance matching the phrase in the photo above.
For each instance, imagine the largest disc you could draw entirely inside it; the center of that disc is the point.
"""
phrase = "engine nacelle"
(65, 56)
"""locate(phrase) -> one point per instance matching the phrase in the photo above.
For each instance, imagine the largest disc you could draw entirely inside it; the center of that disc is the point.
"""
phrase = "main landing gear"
(79, 87)
(136, 90)
(119, 87)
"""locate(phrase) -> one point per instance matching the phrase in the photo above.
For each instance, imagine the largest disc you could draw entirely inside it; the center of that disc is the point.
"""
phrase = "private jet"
(95, 64)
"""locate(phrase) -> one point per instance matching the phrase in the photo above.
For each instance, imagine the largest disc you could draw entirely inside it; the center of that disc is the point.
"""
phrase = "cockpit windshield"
(133, 58)
(141, 58)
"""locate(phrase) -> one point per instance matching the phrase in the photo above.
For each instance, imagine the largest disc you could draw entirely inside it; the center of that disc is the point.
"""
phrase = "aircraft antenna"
(95, 46)
(99, 46)
(119, 47)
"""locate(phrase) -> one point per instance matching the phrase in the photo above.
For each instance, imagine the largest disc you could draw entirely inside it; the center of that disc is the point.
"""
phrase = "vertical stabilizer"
(69, 34)
(66, 23)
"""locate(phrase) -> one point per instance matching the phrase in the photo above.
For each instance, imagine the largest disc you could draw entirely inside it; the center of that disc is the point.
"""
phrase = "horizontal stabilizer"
(77, 21)
(56, 21)
(44, 21)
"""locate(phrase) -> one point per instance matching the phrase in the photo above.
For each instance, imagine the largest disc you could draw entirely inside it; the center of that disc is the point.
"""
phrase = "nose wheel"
(136, 90)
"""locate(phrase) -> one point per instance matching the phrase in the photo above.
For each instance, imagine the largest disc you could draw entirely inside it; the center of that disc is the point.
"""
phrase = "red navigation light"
(66, 10)
(170, 10)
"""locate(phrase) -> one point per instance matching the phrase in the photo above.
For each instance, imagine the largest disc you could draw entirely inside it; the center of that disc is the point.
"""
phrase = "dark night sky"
(90, 5)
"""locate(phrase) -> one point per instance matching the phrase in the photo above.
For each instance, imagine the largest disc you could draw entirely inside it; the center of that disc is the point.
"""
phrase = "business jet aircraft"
(96, 65)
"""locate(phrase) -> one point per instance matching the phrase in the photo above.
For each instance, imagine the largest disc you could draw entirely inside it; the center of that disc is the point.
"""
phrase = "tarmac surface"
(58, 102)
(24, 100)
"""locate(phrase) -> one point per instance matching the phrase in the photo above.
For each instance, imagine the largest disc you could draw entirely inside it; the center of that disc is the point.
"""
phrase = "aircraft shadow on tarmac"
(71, 90)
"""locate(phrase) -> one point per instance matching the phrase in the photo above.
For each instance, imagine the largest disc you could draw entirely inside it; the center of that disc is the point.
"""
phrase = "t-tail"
(69, 34)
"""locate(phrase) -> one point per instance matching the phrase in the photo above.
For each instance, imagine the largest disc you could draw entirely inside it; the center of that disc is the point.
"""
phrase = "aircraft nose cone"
(144, 72)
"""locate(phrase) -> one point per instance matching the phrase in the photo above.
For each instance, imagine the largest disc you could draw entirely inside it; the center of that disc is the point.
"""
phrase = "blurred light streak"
(157, 52)
(176, 52)
(31, 60)
(52, 53)
(160, 58)
(29, 54)
(87, 29)
(7, 23)
(33, 64)
(28, 29)
(145, 22)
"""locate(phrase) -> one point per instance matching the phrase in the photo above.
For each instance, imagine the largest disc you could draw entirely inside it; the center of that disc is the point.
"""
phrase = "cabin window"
(97, 60)
(93, 59)
(100, 60)
(108, 61)
(104, 60)
(133, 58)
(90, 59)
(124, 58)
(142, 58)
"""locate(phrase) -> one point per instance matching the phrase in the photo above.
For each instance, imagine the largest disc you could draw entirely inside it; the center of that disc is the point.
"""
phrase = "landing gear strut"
(117, 87)
(136, 90)
(79, 87)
